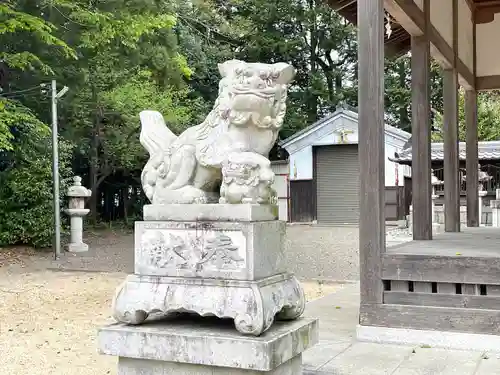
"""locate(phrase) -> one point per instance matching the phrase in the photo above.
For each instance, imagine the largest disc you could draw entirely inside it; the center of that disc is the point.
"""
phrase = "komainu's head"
(254, 91)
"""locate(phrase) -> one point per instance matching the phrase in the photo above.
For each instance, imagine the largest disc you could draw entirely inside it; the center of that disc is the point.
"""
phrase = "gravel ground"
(330, 253)
(313, 252)
(322, 252)
(49, 320)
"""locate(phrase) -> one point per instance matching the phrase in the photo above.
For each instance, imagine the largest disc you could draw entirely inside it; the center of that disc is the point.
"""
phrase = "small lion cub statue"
(247, 178)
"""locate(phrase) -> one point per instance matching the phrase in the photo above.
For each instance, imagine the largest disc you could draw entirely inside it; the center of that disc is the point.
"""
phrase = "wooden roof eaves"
(415, 14)
(393, 48)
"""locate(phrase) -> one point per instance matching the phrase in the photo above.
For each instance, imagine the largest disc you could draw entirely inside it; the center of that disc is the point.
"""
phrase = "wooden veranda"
(451, 283)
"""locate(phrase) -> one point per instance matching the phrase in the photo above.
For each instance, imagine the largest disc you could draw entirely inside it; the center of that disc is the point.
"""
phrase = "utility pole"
(55, 167)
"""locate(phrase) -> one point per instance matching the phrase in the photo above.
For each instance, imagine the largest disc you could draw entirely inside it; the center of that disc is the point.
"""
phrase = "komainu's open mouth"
(261, 93)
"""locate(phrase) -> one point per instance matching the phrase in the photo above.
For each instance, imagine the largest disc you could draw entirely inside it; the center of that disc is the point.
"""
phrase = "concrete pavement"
(338, 352)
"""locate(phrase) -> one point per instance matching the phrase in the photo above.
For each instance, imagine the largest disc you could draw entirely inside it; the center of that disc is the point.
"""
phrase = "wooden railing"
(439, 173)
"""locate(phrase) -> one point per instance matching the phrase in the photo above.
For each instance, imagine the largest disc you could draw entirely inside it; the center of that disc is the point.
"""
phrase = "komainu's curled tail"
(156, 138)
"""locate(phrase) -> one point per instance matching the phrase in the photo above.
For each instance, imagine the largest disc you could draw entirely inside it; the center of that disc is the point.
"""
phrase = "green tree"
(398, 90)
(15, 26)
(15, 23)
(25, 178)
(310, 35)
(488, 118)
(25, 163)
(129, 60)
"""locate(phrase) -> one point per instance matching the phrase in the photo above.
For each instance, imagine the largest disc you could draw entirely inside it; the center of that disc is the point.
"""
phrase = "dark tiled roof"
(486, 151)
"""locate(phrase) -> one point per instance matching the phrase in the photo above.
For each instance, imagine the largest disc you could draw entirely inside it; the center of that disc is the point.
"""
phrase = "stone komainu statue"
(230, 148)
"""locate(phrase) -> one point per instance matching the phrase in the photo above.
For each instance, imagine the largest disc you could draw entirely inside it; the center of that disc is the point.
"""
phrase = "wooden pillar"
(421, 136)
(451, 172)
(372, 149)
(473, 219)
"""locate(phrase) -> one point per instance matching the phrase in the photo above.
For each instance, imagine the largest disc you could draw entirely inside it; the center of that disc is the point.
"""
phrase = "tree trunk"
(125, 199)
(93, 175)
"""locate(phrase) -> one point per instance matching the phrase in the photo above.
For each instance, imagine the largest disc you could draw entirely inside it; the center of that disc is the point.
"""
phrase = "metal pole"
(55, 173)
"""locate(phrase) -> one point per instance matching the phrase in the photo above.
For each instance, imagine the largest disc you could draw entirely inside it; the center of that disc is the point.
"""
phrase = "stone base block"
(77, 247)
(224, 250)
(210, 212)
(253, 305)
(207, 346)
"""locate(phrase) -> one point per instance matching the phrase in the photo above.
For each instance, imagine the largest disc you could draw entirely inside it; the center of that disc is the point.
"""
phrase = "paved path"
(338, 352)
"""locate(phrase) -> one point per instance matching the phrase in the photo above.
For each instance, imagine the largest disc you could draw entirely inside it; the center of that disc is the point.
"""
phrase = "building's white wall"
(391, 167)
(442, 18)
(301, 160)
(300, 151)
(280, 170)
(280, 167)
(465, 35)
(301, 164)
(487, 52)
(420, 4)
(406, 170)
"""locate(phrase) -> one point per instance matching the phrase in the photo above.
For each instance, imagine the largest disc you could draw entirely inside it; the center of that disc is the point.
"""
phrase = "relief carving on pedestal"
(191, 250)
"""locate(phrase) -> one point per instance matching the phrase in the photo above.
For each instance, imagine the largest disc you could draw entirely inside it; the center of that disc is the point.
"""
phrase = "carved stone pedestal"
(213, 260)
(218, 266)
(253, 305)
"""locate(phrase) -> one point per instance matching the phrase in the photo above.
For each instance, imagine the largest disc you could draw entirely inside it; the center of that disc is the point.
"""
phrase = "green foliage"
(488, 118)
(160, 55)
(120, 137)
(17, 23)
(26, 179)
(141, 93)
(25, 164)
(398, 91)
(126, 30)
(310, 35)
(7, 119)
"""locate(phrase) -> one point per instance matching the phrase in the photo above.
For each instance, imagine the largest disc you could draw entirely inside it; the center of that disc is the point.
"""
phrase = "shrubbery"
(26, 212)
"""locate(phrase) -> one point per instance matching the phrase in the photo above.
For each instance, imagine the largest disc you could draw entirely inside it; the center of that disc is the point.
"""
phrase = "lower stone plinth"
(128, 366)
(77, 247)
(193, 345)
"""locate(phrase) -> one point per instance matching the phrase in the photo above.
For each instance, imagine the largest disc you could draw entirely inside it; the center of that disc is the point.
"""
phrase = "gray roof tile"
(489, 150)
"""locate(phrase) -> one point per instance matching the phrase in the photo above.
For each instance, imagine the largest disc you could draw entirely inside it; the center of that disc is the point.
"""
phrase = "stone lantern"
(76, 211)
(434, 182)
(483, 178)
